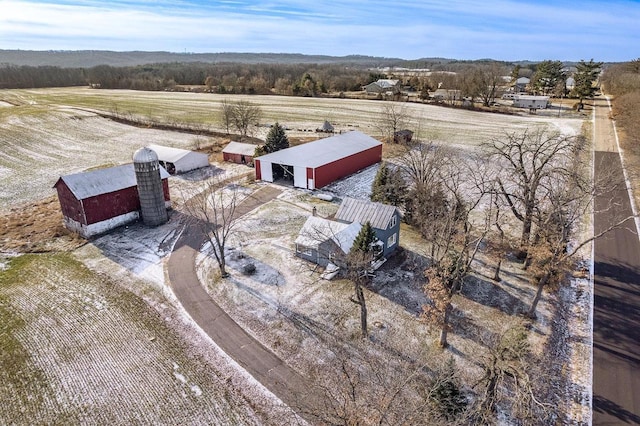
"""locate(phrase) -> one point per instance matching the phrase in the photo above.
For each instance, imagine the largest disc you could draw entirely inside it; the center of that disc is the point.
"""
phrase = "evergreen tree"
(276, 139)
(379, 184)
(389, 186)
(447, 396)
(549, 77)
(585, 76)
(364, 240)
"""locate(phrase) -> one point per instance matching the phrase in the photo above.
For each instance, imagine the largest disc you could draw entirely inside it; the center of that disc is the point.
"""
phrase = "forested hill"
(91, 58)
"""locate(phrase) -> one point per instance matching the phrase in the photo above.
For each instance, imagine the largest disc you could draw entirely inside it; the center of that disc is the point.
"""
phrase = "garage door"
(299, 176)
(266, 171)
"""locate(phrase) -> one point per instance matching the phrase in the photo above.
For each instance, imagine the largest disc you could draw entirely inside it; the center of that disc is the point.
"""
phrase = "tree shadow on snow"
(492, 295)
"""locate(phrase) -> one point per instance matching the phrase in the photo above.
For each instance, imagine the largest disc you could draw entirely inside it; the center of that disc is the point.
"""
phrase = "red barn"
(97, 201)
(237, 152)
(317, 164)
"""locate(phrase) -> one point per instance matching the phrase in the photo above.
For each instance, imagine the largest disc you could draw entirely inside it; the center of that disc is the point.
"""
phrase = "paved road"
(616, 327)
(259, 361)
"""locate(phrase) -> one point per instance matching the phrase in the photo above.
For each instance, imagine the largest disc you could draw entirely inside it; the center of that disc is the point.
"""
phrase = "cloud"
(465, 29)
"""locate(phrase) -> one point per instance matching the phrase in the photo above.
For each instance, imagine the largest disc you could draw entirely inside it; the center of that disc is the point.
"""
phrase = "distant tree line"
(24, 77)
(623, 82)
(232, 78)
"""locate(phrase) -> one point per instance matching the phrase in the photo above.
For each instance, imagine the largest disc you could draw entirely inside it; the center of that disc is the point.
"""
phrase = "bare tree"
(393, 117)
(454, 237)
(509, 370)
(214, 209)
(226, 113)
(528, 161)
(241, 115)
(361, 389)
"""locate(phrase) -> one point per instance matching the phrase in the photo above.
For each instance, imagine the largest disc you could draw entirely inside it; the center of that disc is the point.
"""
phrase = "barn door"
(299, 176)
(266, 171)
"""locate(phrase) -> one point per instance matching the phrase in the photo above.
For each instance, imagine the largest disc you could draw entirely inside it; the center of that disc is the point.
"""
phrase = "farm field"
(46, 133)
(119, 278)
(78, 348)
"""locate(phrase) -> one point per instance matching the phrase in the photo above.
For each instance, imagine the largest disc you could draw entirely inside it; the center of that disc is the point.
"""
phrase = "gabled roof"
(362, 211)
(523, 80)
(102, 181)
(240, 148)
(387, 83)
(322, 151)
(171, 155)
(317, 230)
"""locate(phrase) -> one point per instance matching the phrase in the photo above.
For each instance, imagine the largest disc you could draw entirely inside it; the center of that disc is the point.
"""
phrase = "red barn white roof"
(103, 181)
(240, 148)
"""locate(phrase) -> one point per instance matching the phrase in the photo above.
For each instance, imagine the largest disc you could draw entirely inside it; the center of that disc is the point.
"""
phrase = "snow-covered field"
(120, 310)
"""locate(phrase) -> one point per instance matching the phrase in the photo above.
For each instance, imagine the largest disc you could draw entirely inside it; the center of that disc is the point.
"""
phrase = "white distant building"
(176, 160)
(531, 102)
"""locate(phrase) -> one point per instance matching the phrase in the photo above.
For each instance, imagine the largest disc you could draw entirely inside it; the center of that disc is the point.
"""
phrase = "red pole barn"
(317, 164)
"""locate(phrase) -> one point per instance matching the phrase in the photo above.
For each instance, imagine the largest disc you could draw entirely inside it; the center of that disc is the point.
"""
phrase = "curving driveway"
(255, 358)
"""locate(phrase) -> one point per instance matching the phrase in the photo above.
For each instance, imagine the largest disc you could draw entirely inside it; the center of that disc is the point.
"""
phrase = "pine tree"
(389, 186)
(379, 184)
(365, 238)
(276, 139)
(586, 75)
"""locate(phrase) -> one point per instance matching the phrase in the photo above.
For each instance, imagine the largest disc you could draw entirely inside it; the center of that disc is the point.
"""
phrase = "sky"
(410, 29)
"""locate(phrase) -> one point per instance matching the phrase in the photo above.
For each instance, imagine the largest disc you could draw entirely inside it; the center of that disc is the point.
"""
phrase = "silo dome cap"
(145, 155)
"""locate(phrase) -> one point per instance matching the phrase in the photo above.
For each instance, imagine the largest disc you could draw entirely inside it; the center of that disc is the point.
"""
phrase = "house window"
(393, 222)
(392, 240)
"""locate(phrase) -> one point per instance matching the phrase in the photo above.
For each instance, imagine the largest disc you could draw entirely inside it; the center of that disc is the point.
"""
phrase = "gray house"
(384, 219)
(325, 241)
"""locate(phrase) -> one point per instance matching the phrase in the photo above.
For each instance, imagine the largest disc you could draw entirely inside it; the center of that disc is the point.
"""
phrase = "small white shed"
(176, 160)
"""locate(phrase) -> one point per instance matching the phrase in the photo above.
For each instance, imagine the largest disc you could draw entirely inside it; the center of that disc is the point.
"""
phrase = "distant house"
(96, 201)
(403, 136)
(384, 219)
(570, 83)
(521, 84)
(531, 102)
(324, 241)
(176, 160)
(383, 86)
(237, 152)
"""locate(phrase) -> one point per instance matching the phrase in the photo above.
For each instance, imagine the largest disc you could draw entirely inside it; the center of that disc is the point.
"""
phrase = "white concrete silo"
(150, 191)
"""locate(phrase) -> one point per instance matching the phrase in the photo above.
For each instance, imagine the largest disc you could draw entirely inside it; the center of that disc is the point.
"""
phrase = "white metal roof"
(103, 181)
(323, 151)
(362, 211)
(317, 230)
(240, 148)
(171, 155)
(532, 97)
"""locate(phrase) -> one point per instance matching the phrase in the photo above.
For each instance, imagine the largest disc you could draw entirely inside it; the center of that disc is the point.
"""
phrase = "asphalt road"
(616, 326)
(259, 361)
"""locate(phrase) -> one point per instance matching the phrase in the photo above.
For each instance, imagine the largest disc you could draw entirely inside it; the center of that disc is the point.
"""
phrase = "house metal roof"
(317, 230)
(240, 148)
(171, 155)
(323, 151)
(103, 181)
(387, 83)
(362, 211)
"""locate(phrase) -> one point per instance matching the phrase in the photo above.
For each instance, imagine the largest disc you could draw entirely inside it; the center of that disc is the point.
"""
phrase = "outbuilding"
(531, 102)
(176, 160)
(238, 152)
(318, 163)
(99, 200)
